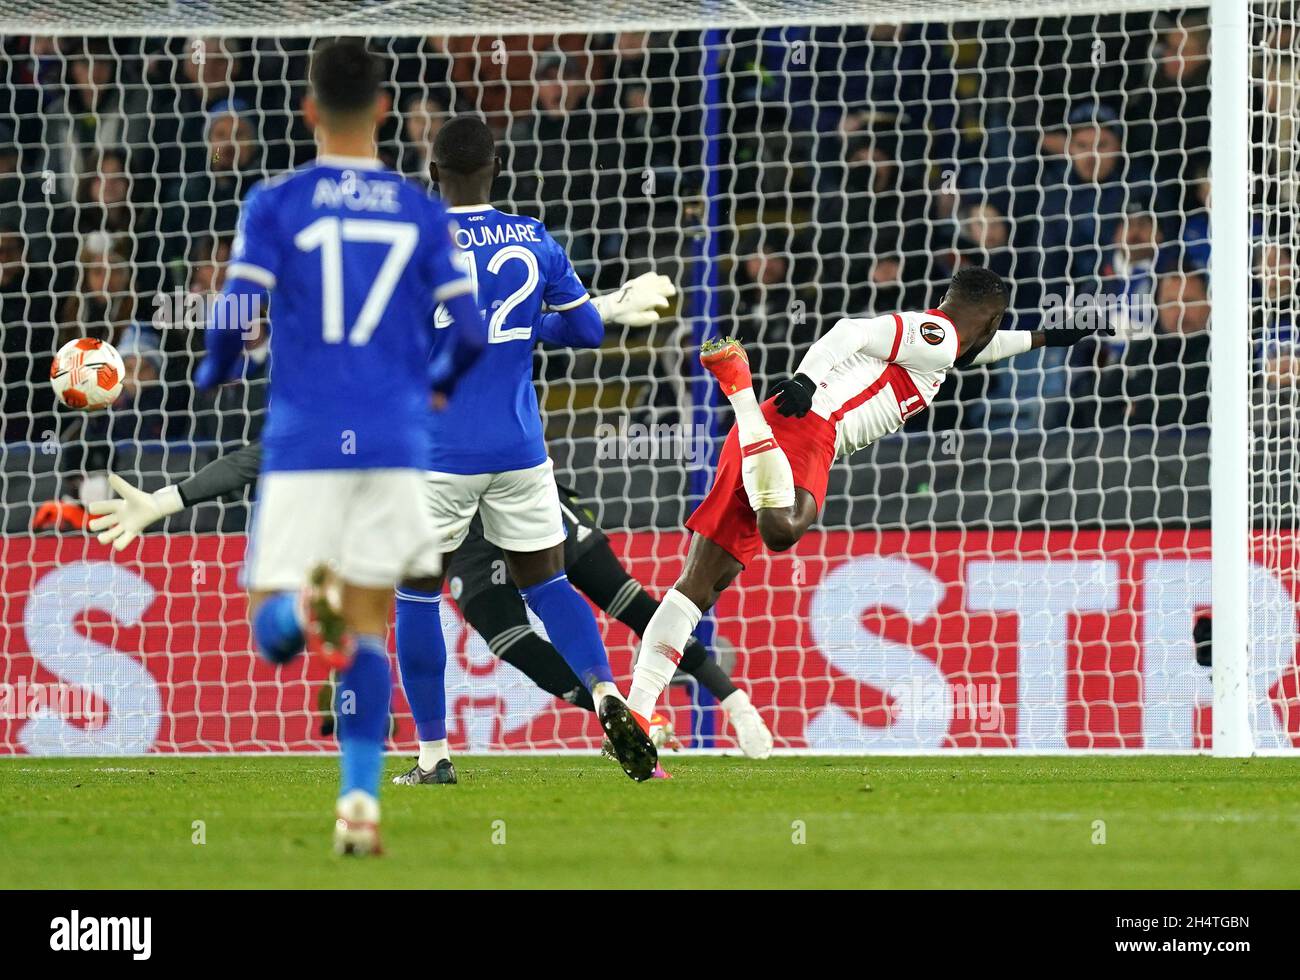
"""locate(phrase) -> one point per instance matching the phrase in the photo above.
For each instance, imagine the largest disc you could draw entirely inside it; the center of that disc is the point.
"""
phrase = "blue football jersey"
(493, 423)
(356, 258)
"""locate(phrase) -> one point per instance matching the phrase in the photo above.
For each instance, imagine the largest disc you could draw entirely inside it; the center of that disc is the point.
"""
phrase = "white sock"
(768, 479)
(764, 469)
(431, 753)
(661, 648)
(603, 689)
(752, 427)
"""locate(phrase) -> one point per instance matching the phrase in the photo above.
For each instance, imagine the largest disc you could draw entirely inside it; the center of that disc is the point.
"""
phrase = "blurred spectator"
(185, 79)
(90, 112)
(422, 117)
(1275, 121)
(1127, 280)
(641, 185)
(552, 159)
(181, 314)
(104, 204)
(212, 197)
(890, 78)
(1192, 249)
(984, 239)
(765, 311)
(279, 69)
(871, 236)
(1178, 392)
(1173, 117)
(101, 303)
(1275, 308)
(1161, 379)
(26, 341)
(32, 199)
(1100, 187)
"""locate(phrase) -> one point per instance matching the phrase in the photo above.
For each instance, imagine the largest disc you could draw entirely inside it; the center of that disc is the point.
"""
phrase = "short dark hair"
(464, 146)
(345, 75)
(973, 285)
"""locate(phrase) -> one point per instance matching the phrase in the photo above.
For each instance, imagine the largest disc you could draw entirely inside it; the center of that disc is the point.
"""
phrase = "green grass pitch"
(892, 822)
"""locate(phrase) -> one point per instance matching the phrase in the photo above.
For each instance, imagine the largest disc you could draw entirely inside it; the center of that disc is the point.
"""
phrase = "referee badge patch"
(931, 332)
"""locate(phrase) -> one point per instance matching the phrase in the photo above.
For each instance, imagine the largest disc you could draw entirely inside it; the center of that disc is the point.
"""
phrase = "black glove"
(1068, 336)
(1203, 637)
(794, 396)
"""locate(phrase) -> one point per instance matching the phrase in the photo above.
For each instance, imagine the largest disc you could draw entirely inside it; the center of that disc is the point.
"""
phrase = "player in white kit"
(860, 381)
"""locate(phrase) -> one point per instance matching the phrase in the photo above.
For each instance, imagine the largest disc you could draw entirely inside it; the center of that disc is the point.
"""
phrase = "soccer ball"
(87, 374)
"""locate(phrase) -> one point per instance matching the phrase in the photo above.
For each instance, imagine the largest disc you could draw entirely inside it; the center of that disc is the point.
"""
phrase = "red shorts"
(725, 517)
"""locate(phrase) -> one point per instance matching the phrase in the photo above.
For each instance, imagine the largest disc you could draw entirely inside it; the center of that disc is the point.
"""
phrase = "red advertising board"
(854, 641)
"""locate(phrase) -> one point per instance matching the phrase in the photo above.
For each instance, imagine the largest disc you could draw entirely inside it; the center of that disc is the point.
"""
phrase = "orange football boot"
(726, 360)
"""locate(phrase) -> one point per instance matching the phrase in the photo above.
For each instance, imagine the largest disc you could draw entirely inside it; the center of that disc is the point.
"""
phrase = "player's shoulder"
(929, 334)
(271, 186)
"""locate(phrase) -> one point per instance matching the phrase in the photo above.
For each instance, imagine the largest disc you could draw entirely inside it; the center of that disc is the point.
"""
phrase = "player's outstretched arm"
(1009, 343)
(577, 326)
(636, 303)
(121, 520)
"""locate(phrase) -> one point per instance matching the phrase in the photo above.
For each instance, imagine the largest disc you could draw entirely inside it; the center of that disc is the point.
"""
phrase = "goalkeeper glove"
(636, 303)
(794, 396)
(121, 520)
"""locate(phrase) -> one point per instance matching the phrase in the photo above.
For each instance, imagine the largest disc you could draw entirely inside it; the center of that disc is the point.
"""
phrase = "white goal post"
(1049, 560)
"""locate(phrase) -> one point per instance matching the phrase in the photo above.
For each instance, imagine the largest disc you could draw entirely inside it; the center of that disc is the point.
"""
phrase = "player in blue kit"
(489, 457)
(354, 259)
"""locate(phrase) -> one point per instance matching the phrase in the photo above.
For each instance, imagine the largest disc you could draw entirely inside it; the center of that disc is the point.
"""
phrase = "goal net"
(1025, 566)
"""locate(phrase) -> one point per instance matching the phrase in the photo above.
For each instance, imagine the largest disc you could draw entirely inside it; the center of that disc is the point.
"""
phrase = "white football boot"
(752, 734)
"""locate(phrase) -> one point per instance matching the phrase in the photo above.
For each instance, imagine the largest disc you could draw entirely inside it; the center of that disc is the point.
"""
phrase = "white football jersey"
(874, 374)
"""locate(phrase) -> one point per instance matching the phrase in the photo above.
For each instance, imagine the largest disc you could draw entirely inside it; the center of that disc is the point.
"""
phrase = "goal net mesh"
(1024, 566)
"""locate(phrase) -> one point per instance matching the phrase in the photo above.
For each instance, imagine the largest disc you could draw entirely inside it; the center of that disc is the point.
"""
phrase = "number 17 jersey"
(355, 258)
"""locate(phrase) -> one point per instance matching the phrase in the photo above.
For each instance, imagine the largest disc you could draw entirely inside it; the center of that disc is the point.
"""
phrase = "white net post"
(1229, 362)
(1268, 601)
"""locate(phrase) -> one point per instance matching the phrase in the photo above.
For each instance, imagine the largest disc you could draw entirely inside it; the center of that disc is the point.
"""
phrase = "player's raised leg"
(765, 470)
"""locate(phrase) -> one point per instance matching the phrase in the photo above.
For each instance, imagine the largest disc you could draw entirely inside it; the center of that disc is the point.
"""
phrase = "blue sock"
(422, 657)
(276, 628)
(571, 625)
(361, 704)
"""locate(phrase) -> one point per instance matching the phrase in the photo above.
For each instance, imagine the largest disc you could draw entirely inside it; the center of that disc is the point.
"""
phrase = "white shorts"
(520, 509)
(374, 525)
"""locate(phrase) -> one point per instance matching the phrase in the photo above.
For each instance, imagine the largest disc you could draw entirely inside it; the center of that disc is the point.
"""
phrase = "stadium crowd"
(856, 169)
